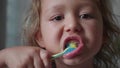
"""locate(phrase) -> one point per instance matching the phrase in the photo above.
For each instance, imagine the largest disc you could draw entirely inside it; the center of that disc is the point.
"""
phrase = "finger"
(17, 65)
(30, 64)
(38, 62)
(45, 58)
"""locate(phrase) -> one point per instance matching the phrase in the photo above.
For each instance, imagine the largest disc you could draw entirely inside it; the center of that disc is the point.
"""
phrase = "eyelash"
(82, 16)
(57, 18)
(86, 16)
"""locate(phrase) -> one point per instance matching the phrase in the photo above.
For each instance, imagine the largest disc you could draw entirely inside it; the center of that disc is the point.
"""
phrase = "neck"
(88, 64)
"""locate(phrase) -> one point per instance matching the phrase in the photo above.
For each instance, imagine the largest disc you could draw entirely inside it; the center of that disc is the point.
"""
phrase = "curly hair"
(108, 54)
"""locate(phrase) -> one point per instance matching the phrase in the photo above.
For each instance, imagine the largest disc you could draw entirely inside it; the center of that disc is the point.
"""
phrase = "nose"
(72, 25)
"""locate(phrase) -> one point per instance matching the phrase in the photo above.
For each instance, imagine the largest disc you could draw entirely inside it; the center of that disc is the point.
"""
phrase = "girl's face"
(63, 21)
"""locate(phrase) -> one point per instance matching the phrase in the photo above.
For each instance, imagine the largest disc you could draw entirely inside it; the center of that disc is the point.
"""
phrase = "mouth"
(73, 42)
(77, 44)
(69, 40)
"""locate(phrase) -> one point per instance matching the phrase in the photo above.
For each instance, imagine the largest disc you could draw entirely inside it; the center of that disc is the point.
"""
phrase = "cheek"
(47, 31)
(93, 38)
(50, 36)
(94, 34)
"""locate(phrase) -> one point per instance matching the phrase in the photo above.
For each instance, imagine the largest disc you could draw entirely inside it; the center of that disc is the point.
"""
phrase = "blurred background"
(12, 13)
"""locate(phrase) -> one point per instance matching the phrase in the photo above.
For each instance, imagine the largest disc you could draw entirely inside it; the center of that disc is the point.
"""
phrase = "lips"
(77, 51)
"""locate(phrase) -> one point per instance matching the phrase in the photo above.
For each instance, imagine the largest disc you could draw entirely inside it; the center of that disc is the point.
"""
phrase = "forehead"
(63, 2)
(70, 3)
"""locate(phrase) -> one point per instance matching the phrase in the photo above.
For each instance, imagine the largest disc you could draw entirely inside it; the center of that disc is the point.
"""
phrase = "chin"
(72, 62)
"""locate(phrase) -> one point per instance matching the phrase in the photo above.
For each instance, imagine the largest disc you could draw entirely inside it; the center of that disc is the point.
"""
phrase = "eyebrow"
(61, 8)
(55, 8)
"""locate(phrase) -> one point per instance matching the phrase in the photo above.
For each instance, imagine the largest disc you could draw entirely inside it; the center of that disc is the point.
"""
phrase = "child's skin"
(24, 57)
(78, 20)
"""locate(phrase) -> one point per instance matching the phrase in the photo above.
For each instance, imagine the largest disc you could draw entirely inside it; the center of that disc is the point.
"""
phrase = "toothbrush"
(71, 46)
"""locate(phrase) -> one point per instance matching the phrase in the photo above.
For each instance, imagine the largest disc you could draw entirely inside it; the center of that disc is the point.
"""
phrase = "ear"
(39, 40)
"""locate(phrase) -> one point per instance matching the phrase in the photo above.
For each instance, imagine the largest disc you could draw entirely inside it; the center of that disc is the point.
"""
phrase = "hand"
(26, 57)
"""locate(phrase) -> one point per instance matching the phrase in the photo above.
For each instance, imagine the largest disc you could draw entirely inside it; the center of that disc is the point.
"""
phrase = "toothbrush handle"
(57, 55)
(61, 53)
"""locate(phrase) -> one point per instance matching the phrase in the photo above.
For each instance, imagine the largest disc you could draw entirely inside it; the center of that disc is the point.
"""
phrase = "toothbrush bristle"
(71, 46)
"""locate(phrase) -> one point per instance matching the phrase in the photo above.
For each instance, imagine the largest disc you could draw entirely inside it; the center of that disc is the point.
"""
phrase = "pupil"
(58, 18)
(85, 16)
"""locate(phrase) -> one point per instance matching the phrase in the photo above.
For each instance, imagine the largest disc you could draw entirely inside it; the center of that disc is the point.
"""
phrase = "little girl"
(52, 24)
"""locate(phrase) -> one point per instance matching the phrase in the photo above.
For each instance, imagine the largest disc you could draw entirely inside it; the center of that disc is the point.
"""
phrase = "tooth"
(73, 44)
(71, 47)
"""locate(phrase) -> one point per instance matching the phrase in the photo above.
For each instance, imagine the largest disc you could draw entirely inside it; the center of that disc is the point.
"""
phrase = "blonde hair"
(108, 54)
(32, 23)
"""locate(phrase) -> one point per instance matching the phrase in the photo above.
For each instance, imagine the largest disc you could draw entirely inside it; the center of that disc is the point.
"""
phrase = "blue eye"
(86, 16)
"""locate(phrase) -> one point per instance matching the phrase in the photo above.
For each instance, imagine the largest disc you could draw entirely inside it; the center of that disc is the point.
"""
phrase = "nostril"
(77, 29)
(68, 30)
(74, 30)
(72, 27)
